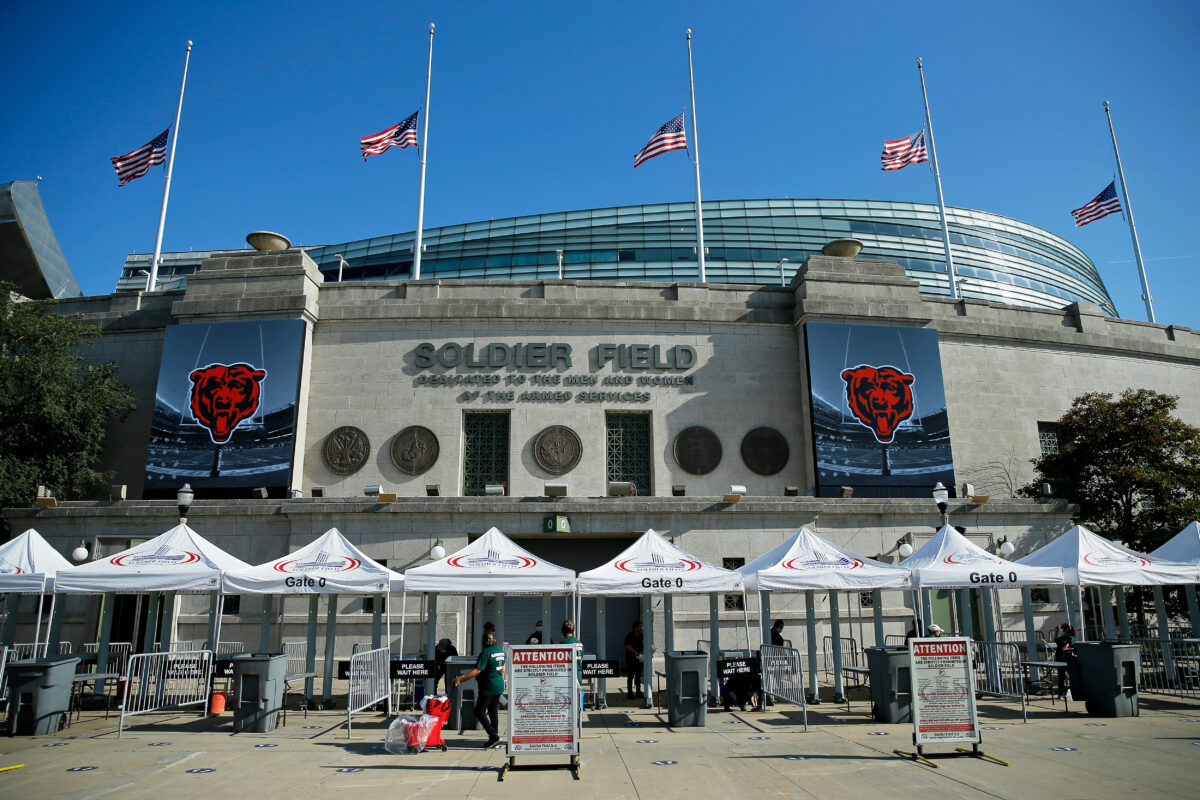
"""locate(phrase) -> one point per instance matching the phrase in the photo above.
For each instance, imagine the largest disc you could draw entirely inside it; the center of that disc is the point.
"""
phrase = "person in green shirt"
(489, 671)
(569, 637)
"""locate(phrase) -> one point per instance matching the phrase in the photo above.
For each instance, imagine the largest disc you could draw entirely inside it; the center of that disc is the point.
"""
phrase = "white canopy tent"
(330, 565)
(492, 564)
(1184, 548)
(952, 561)
(806, 562)
(1088, 559)
(653, 566)
(28, 565)
(179, 560)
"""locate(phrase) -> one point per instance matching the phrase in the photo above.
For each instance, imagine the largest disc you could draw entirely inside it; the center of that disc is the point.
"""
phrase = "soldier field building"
(566, 379)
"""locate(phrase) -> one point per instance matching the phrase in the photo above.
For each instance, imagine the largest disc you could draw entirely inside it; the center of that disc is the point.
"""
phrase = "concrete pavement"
(626, 753)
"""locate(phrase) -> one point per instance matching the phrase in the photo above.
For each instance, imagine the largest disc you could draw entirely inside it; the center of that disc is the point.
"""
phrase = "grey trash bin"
(891, 683)
(258, 682)
(687, 688)
(39, 695)
(1109, 672)
(462, 699)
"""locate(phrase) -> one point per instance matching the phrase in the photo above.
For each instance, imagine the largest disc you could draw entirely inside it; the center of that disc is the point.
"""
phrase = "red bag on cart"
(437, 708)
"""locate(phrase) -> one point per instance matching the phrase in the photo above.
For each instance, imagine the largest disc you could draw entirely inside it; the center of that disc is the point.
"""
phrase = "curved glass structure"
(996, 258)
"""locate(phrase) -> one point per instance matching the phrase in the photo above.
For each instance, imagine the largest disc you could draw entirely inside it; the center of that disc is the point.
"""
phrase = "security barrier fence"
(1170, 667)
(783, 676)
(368, 682)
(297, 653)
(230, 648)
(27, 650)
(852, 656)
(158, 681)
(118, 654)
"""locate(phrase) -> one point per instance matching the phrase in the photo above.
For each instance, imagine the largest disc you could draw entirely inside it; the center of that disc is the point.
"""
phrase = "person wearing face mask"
(536, 636)
(777, 633)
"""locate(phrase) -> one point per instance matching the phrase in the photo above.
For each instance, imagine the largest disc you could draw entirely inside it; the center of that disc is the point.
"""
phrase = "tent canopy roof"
(1183, 548)
(952, 561)
(28, 563)
(807, 561)
(492, 564)
(1088, 559)
(179, 560)
(328, 565)
(652, 565)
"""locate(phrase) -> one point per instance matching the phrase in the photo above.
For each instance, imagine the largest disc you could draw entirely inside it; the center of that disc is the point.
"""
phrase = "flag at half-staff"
(137, 163)
(401, 135)
(899, 153)
(1099, 207)
(670, 136)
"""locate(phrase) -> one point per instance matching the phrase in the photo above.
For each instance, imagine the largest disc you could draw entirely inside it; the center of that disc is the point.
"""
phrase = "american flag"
(1102, 205)
(138, 162)
(899, 153)
(667, 138)
(400, 135)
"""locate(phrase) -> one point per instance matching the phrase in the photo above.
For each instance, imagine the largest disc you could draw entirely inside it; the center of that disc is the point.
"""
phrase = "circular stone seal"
(557, 449)
(414, 450)
(346, 450)
(697, 450)
(765, 451)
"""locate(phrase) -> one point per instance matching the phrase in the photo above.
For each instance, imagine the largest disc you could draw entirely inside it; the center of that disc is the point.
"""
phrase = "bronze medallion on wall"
(414, 450)
(765, 451)
(557, 449)
(697, 450)
(346, 450)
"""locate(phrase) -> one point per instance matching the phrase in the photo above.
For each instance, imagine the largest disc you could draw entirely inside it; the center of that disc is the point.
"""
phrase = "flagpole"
(696, 150)
(1137, 248)
(937, 179)
(152, 279)
(423, 150)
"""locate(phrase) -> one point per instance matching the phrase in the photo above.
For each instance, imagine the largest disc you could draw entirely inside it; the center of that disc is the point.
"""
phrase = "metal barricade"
(158, 681)
(118, 654)
(23, 651)
(297, 653)
(783, 676)
(184, 646)
(894, 640)
(1170, 667)
(851, 657)
(368, 682)
(230, 648)
(4, 651)
(998, 671)
(360, 647)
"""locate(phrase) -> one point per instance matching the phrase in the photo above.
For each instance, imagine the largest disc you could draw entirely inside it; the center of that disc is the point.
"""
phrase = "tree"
(55, 405)
(1131, 466)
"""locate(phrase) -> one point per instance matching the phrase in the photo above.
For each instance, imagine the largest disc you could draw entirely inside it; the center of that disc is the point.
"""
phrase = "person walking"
(635, 645)
(489, 669)
(777, 633)
(536, 636)
(445, 648)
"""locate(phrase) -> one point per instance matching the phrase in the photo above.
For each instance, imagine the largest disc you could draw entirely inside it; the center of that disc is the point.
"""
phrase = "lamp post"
(940, 496)
(184, 500)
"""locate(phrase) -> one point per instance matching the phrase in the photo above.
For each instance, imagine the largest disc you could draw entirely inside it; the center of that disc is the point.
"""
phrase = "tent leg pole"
(310, 651)
(330, 645)
(1106, 610)
(106, 618)
(746, 620)
(601, 651)
(220, 611)
(377, 622)
(431, 625)
(153, 606)
(1067, 607)
(714, 639)
(648, 653)
(403, 615)
(877, 612)
(54, 635)
(1031, 647)
(810, 621)
(501, 634)
(1164, 633)
(835, 623)
(37, 626)
(669, 622)
(213, 619)
(264, 626)
(764, 617)
(547, 617)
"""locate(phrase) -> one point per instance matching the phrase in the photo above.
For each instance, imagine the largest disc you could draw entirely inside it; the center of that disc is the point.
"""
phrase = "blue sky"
(540, 107)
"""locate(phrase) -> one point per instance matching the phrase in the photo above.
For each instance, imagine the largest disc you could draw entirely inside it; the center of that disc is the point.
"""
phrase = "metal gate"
(158, 681)
(118, 654)
(1170, 667)
(998, 671)
(368, 682)
(783, 676)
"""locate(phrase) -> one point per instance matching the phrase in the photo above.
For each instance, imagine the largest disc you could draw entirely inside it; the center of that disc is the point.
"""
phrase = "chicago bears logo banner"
(225, 408)
(878, 410)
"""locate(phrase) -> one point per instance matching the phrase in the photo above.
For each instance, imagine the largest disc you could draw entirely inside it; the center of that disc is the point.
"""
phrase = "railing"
(158, 681)
(783, 676)
(368, 682)
(894, 640)
(1171, 667)
(230, 648)
(851, 656)
(118, 654)
(297, 653)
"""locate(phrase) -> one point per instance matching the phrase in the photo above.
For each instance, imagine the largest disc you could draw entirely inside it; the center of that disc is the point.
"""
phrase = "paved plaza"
(626, 753)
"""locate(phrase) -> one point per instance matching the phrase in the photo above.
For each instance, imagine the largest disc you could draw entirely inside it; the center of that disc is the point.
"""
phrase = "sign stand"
(943, 698)
(544, 705)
